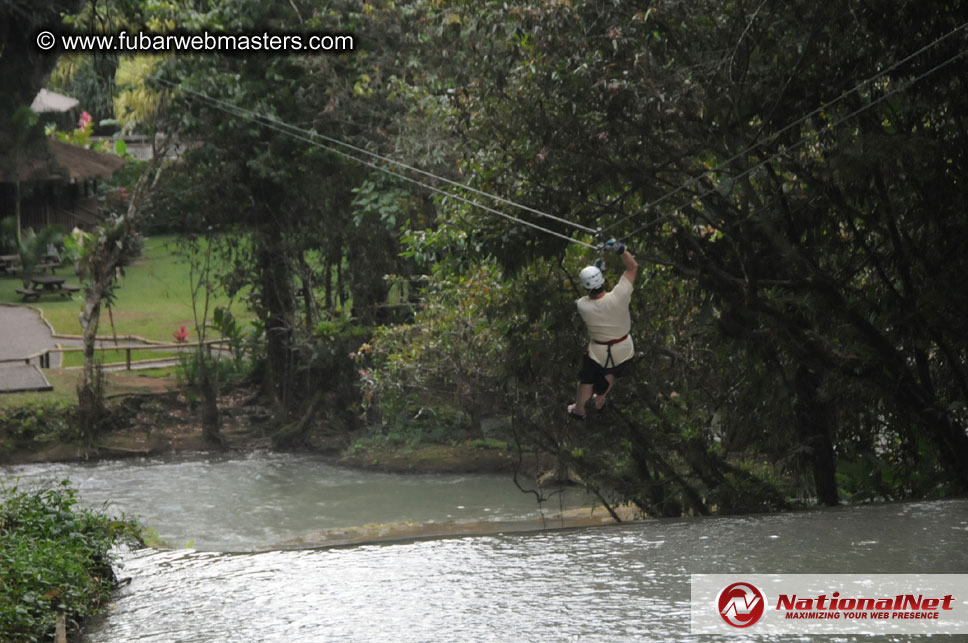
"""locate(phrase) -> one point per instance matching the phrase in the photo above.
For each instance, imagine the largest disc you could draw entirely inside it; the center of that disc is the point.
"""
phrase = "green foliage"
(242, 343)
(801, 304)
(451, 353)
(90, 79)
(31, 246)
(54, 559)
(245, 349)
(113, 237)
(136, 105)
(781, 322)
(330, 352)
(189, 368)
(435, 426)
(29, 425)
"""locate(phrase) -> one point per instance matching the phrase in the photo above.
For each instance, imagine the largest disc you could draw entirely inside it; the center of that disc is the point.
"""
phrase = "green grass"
(65, 391)
(153, 301)
(65, 386)
(153, 298)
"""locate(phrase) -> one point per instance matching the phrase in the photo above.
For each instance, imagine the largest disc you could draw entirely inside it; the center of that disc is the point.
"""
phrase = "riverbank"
(156, 418)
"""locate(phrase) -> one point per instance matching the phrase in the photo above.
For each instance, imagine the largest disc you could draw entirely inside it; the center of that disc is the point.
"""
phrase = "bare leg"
(582, 395)
(600, 399)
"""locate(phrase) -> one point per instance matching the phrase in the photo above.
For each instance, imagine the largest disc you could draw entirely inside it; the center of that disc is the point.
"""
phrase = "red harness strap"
(612, 342)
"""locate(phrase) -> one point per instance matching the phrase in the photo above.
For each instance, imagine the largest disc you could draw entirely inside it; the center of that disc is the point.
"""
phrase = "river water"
(616, 583)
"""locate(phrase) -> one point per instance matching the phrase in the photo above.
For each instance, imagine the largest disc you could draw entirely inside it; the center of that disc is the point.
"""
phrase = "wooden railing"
(43, 357)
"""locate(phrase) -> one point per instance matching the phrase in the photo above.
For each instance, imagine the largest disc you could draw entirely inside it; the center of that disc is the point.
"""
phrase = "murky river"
(617, 583)
(262, 500)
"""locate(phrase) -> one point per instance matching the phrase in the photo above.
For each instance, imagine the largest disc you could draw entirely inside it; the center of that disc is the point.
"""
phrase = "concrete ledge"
(22, 378)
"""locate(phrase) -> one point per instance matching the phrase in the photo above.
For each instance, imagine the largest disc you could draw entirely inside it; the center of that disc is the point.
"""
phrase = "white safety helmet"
(591, 278)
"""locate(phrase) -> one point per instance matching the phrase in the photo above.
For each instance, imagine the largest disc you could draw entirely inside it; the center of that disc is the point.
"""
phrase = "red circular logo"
(741, 604)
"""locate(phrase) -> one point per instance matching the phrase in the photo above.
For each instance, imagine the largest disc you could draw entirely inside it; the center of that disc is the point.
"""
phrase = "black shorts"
(591, 372)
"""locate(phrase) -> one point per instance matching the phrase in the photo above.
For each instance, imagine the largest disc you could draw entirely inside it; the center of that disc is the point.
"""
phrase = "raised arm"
(631, 265)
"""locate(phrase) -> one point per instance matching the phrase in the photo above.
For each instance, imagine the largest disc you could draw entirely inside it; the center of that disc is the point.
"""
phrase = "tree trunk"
(90, 320)
(16, 206)
(90, 398)
(309, 300)
(813, 430)
(294, 433)
(211, 419)
(948, 437)
(340, 291)
(279, 305)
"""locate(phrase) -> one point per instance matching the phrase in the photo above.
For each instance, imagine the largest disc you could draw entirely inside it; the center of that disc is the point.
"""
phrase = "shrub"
(54, 559)
(35, 424)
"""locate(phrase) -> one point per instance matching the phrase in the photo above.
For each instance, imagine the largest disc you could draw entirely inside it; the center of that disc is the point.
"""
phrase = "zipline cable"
(826, 106)
(246, 114)
(310, 136)
(804, 139)
(313, 134)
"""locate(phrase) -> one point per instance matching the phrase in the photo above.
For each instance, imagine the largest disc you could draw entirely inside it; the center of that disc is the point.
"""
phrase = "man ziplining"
(606, 315)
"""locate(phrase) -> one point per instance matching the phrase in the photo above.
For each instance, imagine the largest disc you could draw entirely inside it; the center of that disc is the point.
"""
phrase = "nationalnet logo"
(741, 604)
(830, 604)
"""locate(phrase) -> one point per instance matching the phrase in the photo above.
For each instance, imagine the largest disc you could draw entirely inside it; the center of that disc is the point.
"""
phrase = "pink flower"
(85, 120)
(180, 335)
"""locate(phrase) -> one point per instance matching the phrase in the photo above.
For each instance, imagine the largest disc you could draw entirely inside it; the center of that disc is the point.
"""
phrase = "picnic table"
(47, 285)
(9, 263)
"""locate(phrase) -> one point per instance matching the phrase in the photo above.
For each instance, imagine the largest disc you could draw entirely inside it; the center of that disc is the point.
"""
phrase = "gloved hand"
(615, 246)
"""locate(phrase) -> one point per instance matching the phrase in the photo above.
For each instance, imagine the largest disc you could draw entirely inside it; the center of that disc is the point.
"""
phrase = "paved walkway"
(23, 333)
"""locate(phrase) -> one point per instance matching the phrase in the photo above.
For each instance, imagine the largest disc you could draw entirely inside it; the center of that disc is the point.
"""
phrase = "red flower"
(181, 335)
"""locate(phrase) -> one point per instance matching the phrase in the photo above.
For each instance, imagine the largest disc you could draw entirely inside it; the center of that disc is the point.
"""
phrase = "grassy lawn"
(153, 300)
(116, 383)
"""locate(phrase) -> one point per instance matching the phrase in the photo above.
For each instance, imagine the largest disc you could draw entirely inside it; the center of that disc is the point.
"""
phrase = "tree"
(818, 255)
(103, 255)
(202, 282)
(317, 232)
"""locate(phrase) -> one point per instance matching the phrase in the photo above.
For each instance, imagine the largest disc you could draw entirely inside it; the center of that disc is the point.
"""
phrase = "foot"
(573, 412)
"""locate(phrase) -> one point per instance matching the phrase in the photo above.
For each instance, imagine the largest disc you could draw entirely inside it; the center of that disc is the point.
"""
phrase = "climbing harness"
(608, 349)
